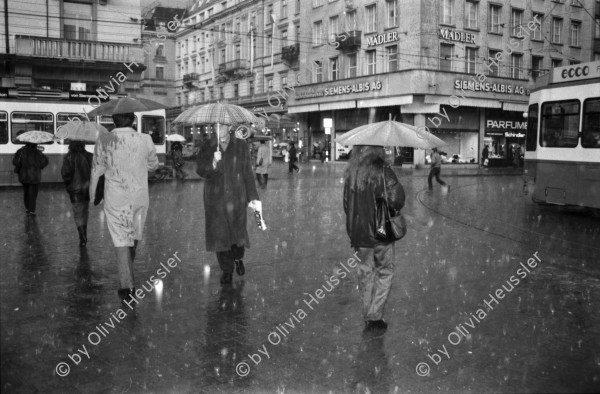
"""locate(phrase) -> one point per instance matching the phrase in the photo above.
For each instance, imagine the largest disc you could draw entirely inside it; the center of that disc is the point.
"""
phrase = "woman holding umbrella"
(364, 182)
(29, 163)
(124, 157)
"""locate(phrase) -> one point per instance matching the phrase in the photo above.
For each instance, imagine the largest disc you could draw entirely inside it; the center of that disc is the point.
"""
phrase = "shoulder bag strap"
(384, 185)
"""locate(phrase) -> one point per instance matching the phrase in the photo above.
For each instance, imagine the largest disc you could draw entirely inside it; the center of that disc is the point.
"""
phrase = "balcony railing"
(290, 52)
(232, 66)
(191, 77)
(56, 48)
(349, 40)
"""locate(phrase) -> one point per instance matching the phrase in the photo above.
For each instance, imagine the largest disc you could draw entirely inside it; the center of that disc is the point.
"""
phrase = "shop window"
(532, 128)
(155, 127)
(590, 131)
(3, 128)
(28, 121)
(560, 124)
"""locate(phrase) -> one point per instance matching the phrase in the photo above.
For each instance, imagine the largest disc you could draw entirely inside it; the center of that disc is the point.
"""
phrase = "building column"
(419, 154)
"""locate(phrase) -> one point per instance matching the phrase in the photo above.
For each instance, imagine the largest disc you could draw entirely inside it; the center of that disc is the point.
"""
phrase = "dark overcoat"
(76, 172)
(227, 191)
(30, 162)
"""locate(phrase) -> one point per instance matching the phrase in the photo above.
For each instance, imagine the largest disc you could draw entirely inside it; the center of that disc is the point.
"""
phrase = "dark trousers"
(227, 258)
(292, 166)
(30, 193)
(435, 172)
(262, 180)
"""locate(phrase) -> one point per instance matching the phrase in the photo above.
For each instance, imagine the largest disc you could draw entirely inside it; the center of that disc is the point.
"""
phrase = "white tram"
(48, 115)
(562, 148)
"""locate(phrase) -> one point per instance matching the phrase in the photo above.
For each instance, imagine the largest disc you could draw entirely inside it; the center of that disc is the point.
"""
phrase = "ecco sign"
(576, 72)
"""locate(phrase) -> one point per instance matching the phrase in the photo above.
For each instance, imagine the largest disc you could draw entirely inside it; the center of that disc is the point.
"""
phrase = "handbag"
(260, 162)
(388, 228)
(99, 191)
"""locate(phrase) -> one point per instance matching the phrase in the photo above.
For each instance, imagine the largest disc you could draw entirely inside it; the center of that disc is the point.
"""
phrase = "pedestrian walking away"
(176, 156)
(436, 167)
(293, 159)
(229, 188)
(484, 156)
(363, 184)
(263, 162)
(124, 157)
(76, 172)
(29, 163)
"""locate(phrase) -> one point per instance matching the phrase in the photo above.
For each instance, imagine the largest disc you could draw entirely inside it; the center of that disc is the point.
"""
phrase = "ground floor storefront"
(458, 113)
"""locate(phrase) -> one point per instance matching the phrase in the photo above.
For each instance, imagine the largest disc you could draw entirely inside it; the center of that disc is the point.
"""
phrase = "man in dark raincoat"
(29, 163)
(228, 190)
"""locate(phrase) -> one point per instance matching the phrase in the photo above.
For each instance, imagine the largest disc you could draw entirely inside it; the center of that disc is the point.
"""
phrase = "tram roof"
(571, 75)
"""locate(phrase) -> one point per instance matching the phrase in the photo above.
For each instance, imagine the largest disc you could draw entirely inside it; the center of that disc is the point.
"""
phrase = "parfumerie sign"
(505, 128)
(460, 36)
(382, 39)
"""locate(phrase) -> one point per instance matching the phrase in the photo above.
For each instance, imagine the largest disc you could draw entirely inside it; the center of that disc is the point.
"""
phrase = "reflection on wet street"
(60, 313)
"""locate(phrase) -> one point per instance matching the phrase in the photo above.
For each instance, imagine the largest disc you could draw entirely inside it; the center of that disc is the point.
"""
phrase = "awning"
(303, 108)
(462, 102)
(420, 108)
(385, 102)
(337, 105)
(517, 107)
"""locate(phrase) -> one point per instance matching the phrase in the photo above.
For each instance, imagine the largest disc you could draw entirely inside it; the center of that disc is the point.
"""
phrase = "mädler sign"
(576, 72)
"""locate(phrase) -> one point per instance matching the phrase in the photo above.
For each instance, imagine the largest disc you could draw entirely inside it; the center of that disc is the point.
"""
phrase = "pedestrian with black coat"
(229, 188)
(29, 163)
(293, 158)
(363, 184)
(484, 155)
(76, 173)
(176, 156)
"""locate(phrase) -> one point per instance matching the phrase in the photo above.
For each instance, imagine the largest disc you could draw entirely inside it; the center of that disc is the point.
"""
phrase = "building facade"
(241, 52)
(158, 43)
(70, 50)
(460, 69)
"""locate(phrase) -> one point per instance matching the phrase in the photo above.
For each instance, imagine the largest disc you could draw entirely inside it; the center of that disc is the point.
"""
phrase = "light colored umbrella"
(35, 137)
(175, 138)
(125, 105)
(80, 131)
(390, 133)
(216, 113)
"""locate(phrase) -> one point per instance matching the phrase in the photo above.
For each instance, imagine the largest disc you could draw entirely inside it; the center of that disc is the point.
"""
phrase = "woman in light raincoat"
(124, 157)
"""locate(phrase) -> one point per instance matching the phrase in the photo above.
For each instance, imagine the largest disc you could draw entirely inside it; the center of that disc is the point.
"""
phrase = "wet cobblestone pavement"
(189, 334)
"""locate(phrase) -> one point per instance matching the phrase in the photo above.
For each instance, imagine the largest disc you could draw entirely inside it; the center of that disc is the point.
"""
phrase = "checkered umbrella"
(216, 113)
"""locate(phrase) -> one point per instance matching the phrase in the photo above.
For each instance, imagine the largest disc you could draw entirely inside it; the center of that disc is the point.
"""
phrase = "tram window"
(21, 122)
(532, 128)
(64, 118)
(3, 128)
(560, 124)
(591, 124)
(107, 122)
(155, 127)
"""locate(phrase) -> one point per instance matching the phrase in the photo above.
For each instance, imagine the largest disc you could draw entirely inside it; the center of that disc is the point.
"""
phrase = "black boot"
(82, 235)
